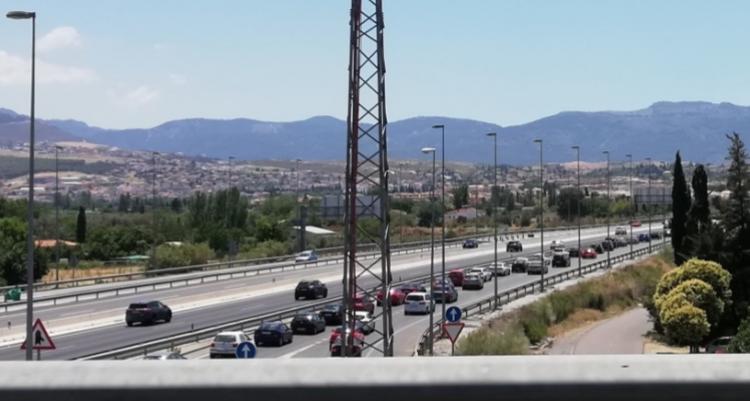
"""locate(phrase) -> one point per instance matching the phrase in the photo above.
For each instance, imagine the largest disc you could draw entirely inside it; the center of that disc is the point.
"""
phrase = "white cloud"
(59, 38)
(140, 96)
(178, 79)
(15, 70)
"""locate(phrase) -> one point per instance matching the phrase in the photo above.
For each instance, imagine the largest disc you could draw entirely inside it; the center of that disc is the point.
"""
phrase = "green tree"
(735, 251)
(81, 226)
(685, 324)
(680, 208)
(568, 202)
(460, 196)
(176, 205)
(740, 343)
(13, 246)
(697, 241)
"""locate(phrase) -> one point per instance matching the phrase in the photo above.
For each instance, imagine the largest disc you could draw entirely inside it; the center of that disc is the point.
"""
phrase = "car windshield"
(270, 326)
(225, 338)
(304, 284)
(415, 297)
(138, 306)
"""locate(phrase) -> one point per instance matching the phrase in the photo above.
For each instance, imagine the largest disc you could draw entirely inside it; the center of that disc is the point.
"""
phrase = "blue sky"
(139, 63)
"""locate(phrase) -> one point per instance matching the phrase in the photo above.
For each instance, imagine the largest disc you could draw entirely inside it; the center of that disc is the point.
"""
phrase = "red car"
(336, 333)
(635, 223)
(397, 296)
(457, 277)
(363, 302)
(335, 344)
(588, 253)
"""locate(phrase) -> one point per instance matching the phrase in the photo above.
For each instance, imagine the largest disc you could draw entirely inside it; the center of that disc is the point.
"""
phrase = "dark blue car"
(644, 238)
(273, 333)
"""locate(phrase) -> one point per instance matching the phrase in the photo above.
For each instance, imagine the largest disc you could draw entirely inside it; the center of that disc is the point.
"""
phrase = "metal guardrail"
(219, 274)
(521, 291)
(256, 261)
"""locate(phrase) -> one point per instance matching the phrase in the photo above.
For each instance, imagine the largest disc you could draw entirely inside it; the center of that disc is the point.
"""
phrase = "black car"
(445, 293)
(608, 245)
(514, 246)
(655, 235)
(519, 265)
(147, 312)
(598, 248)
(574, 252)
(310, 290)
(560, 259)
(308, 322)
(333, 314)
(471, 243)
(273, 333)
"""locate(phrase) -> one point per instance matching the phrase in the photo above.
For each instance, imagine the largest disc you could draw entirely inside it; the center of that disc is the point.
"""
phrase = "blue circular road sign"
(245, 350)
(453, 314)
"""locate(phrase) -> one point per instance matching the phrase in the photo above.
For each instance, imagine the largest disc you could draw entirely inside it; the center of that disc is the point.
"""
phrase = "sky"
(139, 63)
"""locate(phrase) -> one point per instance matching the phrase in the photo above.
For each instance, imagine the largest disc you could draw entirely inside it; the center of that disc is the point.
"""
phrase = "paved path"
(622, 334)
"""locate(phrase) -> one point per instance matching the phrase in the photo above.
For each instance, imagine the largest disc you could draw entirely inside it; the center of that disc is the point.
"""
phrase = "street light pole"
(57, 215)
(153, 208)
(632, 198)
(494, 211)
(442, 207)
(541, 208)
(578, 193)
(648, 159)
(432, 248)
(609, 263)
(30, 206)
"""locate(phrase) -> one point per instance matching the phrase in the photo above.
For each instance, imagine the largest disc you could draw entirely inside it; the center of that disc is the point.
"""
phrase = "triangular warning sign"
(452, 330)
(41, 338)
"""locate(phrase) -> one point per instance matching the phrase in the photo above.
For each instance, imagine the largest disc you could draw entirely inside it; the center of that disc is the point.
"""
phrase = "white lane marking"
(303, 349)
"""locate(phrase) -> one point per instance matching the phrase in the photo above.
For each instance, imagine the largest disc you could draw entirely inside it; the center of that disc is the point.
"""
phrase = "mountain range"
(697, 129)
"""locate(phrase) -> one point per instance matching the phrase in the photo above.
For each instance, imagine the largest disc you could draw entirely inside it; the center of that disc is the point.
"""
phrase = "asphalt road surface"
(622, 334)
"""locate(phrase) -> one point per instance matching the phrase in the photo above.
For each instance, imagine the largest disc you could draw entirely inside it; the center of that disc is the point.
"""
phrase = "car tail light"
(213, 345)
(234, 344)
(422, 303)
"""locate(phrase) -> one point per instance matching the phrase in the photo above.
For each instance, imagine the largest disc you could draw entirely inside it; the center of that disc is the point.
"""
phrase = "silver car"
(501, 269)
(473, 281)
(483, 272)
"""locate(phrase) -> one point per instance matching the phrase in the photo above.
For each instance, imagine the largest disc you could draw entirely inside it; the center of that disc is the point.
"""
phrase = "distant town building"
(332, 206)
(659, 195)
(463, 214)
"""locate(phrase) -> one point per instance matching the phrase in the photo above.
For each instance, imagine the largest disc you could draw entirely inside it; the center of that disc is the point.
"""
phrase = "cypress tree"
(81, 225)
(680, 208)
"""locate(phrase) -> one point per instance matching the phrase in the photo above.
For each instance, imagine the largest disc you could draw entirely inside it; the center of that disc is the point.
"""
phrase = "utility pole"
(432, 249)
(493, 135)
(648, 159)
(366, 135)
(442, 206)
(57, 215)
(541, 208)
(153, 208)
(609, 264)
(632, 199)
(20, 15)
(580, 195)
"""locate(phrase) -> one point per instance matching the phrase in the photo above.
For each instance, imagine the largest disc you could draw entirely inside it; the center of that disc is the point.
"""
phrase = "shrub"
(265, 249)
(685, 324)
(704, 270)
(701, 295)
(487, 341)
(183, 255)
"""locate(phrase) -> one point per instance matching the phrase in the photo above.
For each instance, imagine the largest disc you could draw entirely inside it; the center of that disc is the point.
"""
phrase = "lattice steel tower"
(366, 193)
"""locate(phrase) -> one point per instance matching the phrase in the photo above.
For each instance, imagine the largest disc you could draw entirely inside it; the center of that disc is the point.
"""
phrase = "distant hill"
(14, 128)
(695, 128)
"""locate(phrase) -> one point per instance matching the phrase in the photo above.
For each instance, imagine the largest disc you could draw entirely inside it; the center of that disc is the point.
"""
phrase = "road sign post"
(452, 331)
(245, 350)
(41, 339)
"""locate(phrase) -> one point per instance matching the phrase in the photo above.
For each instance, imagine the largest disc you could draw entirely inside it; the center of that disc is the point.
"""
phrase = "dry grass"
(91, 272)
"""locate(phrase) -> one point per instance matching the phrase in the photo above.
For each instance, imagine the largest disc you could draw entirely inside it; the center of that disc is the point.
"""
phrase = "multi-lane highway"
(98, 325)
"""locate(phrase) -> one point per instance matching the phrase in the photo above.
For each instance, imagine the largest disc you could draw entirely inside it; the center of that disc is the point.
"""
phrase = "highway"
(95, 326)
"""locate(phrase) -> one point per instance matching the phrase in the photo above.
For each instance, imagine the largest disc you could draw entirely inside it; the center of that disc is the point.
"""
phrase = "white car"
(502, 269)
(483, 272)
(368, 325)
(225, 344)
(418, 302)
(306, 256)
(621, 231)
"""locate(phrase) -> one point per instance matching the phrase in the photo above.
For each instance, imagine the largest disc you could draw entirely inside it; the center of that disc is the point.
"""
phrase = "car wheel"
(325, 294)
(130, 324)
(168, 319)
(281, 341)
(406, 313)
